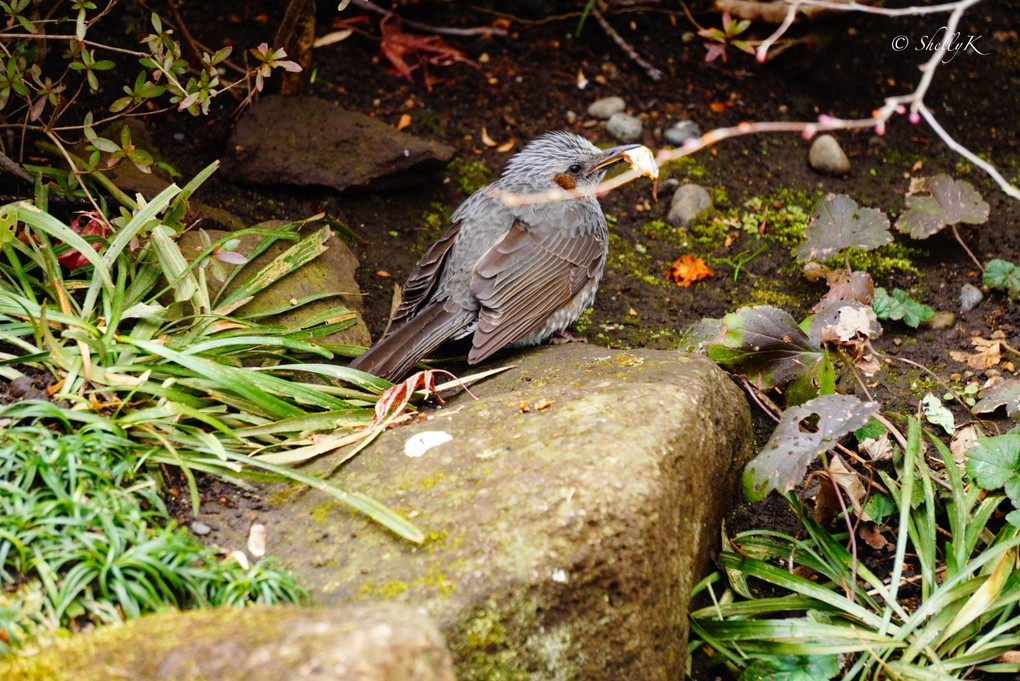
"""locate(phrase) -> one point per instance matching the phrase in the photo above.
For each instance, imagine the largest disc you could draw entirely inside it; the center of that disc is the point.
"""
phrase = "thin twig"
(853, 540)
(445, 30)
(966, 250)
(770, 410)
(652, 72)
(8, 164)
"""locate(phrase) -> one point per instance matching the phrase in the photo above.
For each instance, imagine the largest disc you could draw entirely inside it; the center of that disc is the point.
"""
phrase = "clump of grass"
(948, 608)
(86, 539)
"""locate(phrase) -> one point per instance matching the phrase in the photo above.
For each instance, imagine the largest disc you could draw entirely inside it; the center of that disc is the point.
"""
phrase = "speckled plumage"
(508, 276)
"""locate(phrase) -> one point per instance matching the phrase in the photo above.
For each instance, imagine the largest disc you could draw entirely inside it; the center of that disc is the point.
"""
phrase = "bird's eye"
(575, 169)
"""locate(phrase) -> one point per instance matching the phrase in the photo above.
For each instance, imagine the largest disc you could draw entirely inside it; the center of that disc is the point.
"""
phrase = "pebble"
(668, 185)
(604, 108)
(690, 202)
(571, 117)
(624, 127)
(826, 156)
(942, 319)
(680, 132)
(970, 297)
(200, 528)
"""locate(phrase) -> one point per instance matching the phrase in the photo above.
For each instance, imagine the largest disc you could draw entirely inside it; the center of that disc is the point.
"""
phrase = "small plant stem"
(853, 540)
(930, 373)
(74, 169)
(966, 250)
(771, 409)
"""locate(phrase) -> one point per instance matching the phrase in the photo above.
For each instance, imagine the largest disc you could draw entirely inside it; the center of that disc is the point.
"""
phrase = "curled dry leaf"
(848, 481)
(877, 449)
(845, 286)
(642, 161)
(873, 537)
(962, 442)
(688, 269)
(987, 354)
(405, 120)
(486, 140)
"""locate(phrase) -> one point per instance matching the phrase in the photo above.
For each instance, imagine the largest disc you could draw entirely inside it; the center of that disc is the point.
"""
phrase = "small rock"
(943, 319)
(307, 141)
(604, 108)
(571, 117)
(970, 297)
(624, 127)
(690, 202)
(668, 185)
(826, 156)
(680, 132)
(200, 528)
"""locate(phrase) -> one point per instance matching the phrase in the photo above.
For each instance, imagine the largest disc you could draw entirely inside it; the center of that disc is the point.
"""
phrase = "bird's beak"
(612, 156)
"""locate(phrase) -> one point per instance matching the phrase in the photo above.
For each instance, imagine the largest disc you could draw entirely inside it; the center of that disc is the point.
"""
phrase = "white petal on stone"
(420, 443)
(257, 540)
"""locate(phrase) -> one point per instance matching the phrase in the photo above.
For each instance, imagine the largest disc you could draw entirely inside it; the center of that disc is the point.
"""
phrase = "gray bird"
(506, 275)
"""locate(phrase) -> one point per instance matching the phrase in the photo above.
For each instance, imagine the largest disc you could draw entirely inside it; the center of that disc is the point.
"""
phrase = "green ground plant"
(64, 100)
(786, 606)
(163, 372)
(136, 334)
(85, 538)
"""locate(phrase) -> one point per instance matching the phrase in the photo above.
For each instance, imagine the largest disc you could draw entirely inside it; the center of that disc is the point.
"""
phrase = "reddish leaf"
(397, 45)
(688, 269)
(95, 226)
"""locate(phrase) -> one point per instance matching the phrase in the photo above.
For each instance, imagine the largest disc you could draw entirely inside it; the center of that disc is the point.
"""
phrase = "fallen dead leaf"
(405, 120)
(688, 269)
(873, 537)
(988, 354)
(850, 483)
(507, 146)
(877, 449)
(486, 140)
(961, 443)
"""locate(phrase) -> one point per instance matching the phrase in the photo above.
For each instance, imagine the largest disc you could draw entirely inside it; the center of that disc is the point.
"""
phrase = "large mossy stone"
(568, 513)
(368, 642)
(333, 270)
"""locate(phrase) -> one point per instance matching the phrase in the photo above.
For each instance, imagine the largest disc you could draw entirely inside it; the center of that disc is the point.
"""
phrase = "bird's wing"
(531, 273)
(423, 277)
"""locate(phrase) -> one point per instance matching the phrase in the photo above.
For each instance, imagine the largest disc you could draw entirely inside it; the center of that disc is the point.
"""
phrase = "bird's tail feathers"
(396, 353)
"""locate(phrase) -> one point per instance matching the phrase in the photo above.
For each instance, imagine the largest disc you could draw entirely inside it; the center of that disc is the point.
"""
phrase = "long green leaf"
(229, 378)
(294, 257)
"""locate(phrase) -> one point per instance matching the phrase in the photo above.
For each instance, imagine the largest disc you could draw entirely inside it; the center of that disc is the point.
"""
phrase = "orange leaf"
(405, 120)
(688, 269)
